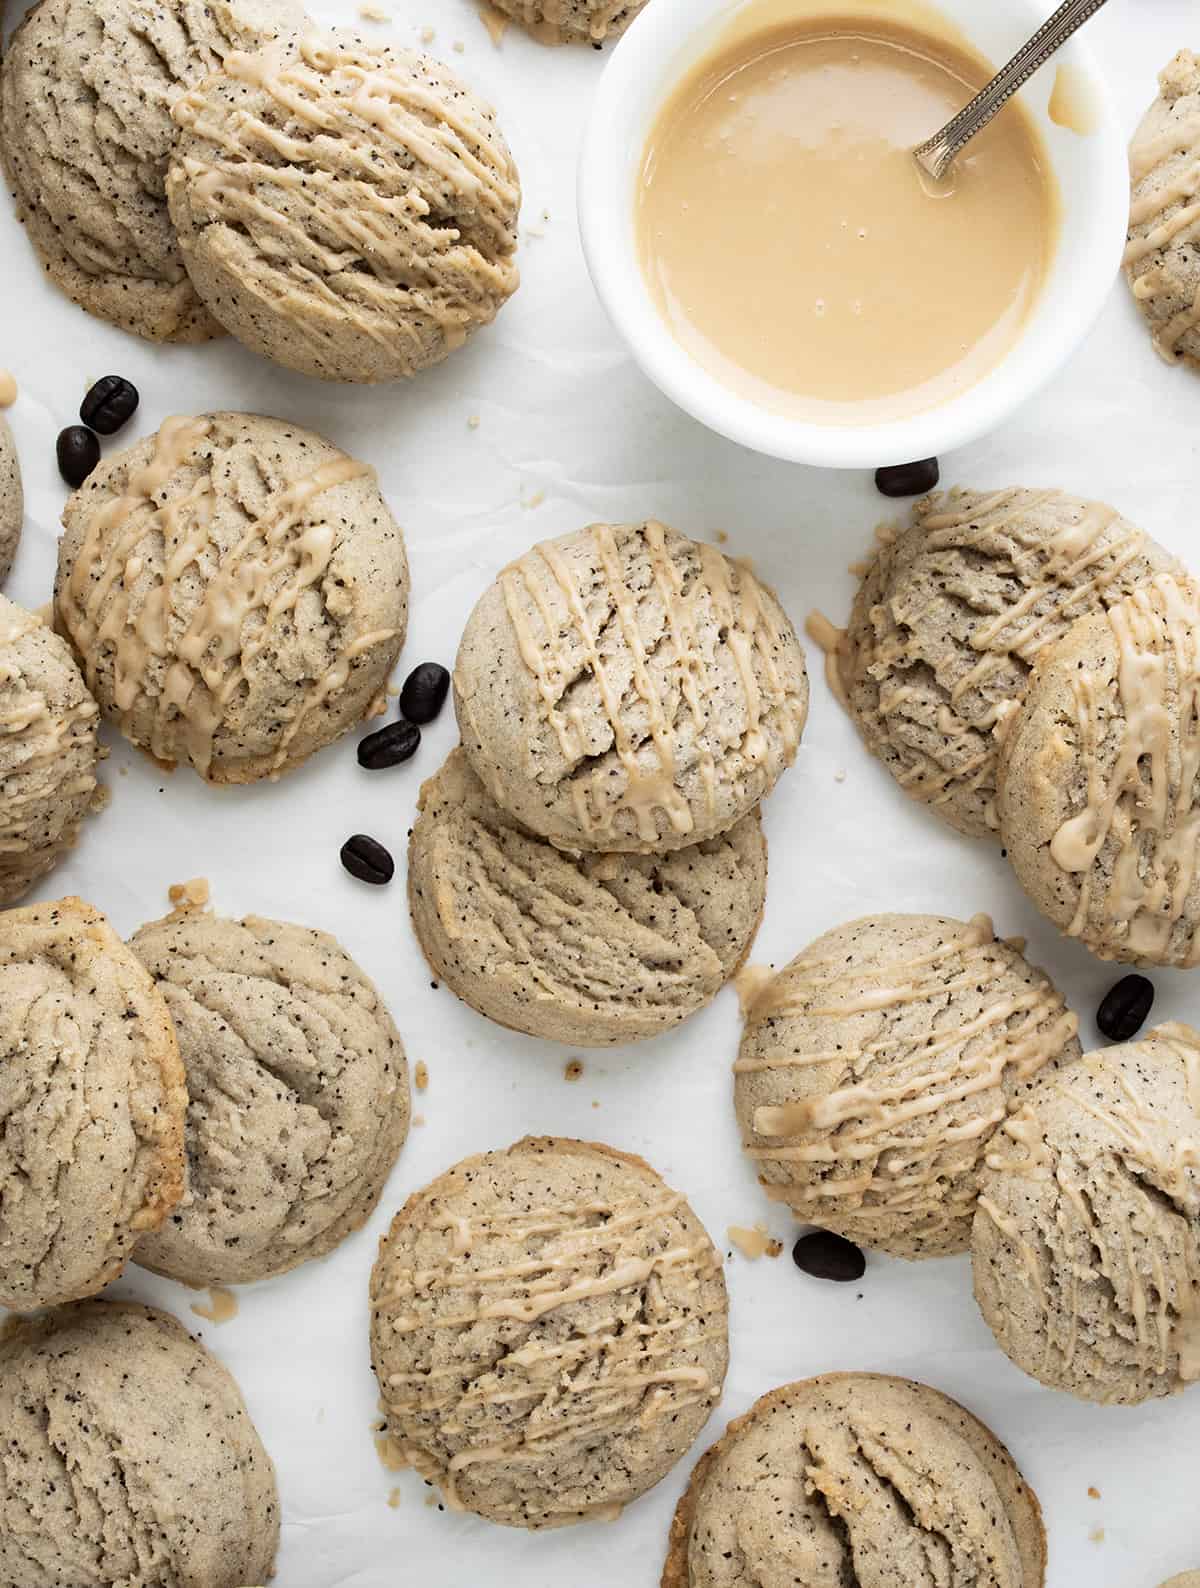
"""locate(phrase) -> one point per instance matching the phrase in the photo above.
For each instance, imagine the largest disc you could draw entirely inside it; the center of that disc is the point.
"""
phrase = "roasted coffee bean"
(424, 692)
(111, 403)
(367, 859)
(908, 479)
(389, 746)
(1125, 1007)
(78, 454)
(827, 1256)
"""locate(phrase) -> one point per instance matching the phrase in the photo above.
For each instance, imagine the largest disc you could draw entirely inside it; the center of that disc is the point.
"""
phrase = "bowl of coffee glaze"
(675, 257)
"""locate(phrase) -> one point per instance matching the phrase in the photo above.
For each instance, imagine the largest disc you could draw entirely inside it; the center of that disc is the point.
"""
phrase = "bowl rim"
(654, 51)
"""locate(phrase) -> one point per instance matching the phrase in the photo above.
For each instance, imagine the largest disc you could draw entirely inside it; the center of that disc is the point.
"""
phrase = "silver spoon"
(938, 153)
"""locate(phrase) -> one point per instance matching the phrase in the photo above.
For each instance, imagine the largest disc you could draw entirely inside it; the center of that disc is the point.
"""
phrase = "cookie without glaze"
(875, 1068)
(857, 1478)
(86, 91)
(1086, 1242)
(549, 1331)
(48, 750)
(1099, 779)
(12, 500)
(91, 1106)
(298, 1095)
(950, 616)
(130, 1460)
(1185, 1579)
(572, 21)
(624, 688)
(580, 949)
(350, 212)
(1162, 265)
(236, 590)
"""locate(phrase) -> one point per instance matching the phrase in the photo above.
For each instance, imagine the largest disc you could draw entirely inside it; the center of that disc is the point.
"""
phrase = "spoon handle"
(938, 152)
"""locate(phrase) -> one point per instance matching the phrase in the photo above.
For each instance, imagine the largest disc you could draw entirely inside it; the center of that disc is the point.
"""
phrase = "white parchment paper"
(569, 432)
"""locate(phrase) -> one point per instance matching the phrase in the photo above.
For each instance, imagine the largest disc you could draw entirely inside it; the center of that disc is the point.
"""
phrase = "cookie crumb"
(535, 500)
(573, 1069)
(1096, 1535)
(1093, 1492)
(374, 14)
(428, 35)
(754, 1243)
(418, 1119)
(421, 1075)
(394, 1499)
(840, 775)
(495, 22)
(193, 895)
(458, 46)
(472, 421)
(221, 1306)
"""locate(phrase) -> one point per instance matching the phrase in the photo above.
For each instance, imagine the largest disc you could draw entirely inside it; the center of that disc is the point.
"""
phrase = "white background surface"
(566, 422)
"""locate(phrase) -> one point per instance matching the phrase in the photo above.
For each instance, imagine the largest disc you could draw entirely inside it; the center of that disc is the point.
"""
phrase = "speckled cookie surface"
(48, 750)
(92, 1104)
(549, 1331)
(1099, 779)
(857, 1478)
(625, 688)
(572, 21)
(12, 499)
(582, 949)
(236, 590)
(298, 1099)
(875, 1068)
(1162, 265)
(1086, 1243)
(1185, 1579)
(350, 212)
(130, 1460)
(950, 616)
(86, 91)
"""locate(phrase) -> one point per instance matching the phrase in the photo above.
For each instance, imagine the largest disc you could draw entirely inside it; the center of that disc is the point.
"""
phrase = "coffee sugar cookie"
(582, 949)
(12, 500)
(875, 1068)
(572, 21)
(92, 1106)
(625, 688)
(952, 612)
(1086, 1242)
(236, 590)
(549, 1331)
(298, 1095)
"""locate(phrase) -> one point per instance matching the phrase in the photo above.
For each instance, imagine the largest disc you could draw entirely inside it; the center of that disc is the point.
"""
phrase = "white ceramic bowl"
(663, 44)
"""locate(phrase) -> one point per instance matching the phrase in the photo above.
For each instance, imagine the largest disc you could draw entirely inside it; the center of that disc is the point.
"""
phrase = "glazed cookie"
(130, 1460)
(236, 590)
(950, 616)
(549, 1331)
(857, 1478)
(1161, 261)
(875, 1068)
(12, 500)
(1086, 1242)
(572, 21)
(624, 688)
(298, 1095)
(581, 949)
(350, 212)
(86, 91)
(92, 1109)
(48, 750)
(1100, 779)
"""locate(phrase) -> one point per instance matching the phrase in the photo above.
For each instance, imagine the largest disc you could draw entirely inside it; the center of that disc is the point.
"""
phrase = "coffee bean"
(424, 692)
(111, 403)
(367, 859)
(908, 479)
(78, 454)
(827, 1256)
(389, 746)
(1124, 1008)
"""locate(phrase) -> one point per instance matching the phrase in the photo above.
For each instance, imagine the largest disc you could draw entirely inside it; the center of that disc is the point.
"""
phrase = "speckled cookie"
(572, 21)
(236, 591)
(581, 949)
(85, 126)
(350, 212)
(855, 1478)
(48, 750)
(1099, 779)
(875, 1068)
(1185, 1579)
(12, 499)
(1086, 1242)
(298, 1095)
(549, 1331)
(624, 688)
(952, 612)
(92, 1105)
(130, 1460)
(1162, 264)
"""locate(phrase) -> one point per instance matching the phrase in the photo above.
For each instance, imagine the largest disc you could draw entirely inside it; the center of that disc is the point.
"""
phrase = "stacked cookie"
(590, 866)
